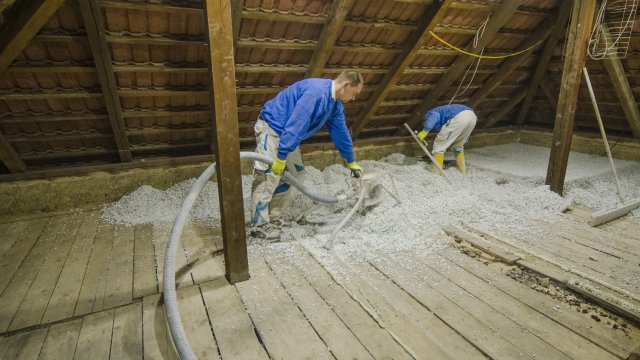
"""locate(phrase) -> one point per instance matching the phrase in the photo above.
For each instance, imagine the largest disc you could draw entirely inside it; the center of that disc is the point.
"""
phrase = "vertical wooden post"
(578, 39)
(226, 144)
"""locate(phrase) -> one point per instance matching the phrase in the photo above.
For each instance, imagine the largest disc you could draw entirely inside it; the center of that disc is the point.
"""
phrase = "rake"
(623, 208)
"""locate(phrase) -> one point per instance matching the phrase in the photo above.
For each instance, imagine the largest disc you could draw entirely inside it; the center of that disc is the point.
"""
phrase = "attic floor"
(75, 287)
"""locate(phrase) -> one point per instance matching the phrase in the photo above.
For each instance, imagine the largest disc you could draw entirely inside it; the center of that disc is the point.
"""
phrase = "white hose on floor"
(169, 282)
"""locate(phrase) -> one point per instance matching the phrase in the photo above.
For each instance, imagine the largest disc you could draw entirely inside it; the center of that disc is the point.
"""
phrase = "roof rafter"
(236, 19)
(330, 32)
(510, 64)
(503, 12)
(545, 57)
(432, 16)
(618, 78)
(22, 25)
(92, 16)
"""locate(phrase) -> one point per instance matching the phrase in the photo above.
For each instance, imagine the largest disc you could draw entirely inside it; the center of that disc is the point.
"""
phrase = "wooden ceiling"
(111, 81)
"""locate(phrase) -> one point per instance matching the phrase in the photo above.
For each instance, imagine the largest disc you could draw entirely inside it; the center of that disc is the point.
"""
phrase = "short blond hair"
(352, 77)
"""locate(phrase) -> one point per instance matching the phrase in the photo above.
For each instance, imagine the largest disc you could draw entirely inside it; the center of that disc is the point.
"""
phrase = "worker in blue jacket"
(295, 114)
(454, 124)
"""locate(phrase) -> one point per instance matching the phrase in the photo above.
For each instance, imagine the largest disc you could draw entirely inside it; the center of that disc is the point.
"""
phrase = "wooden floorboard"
(78, 287)
(119, 286)
(65, 295)
(559, 341)
(25, 346)
(126, 342)
(11, 232)
(157, 341)
(61, 341)
(196, 323)
(14, 257)
(233, 329)
(359, 317)
(608, 339)
(274, 314)
(416, 340)
(485, 338)
(144, 263)
(14, 294)
(94, 281)
(94, 341)
(455, 346)
(334, 332)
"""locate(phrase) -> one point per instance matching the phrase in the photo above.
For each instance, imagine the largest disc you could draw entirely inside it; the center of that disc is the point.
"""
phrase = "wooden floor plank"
(526, 336)
(65, 295)
(231, 324)
(335, 334)
(37, 298)
(27, 345)
(16, 255)
(274, 314)
(20, 283)
(447, 338)
(4, 227)
(600, 244)
(564, 340)
(562, 255)
(11, 234)
(202, 253)
(156, 337)
(144, 264)
(473, 330)
(377, 340)
(625, 227)
(609, 339)
(61, 341)
(196, 324)
(119, 289)
(93, 284)
(126, 341)
(94, 342)
(160, 239)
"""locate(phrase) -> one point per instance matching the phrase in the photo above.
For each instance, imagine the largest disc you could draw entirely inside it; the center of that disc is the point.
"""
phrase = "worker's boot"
(460, 163)
(440, 160)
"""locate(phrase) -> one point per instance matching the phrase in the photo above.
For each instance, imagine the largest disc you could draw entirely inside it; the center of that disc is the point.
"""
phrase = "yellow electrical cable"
(484, 56)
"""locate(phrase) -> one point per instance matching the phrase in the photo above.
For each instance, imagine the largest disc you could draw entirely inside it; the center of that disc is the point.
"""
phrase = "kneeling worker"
(454, 124)
(296, 113)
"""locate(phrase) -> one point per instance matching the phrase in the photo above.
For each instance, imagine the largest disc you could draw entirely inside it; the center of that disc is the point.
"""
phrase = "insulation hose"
(170, 301)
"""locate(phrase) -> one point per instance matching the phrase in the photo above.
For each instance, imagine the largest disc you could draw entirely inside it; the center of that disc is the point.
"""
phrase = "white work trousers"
(270, 194)
(455, 133)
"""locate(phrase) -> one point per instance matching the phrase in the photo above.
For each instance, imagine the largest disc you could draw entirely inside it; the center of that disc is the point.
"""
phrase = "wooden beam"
(22, 25)
(576, 50)
(93, 22)
(10, 157)
(226, 145)
(545, 57)
(503, 110)
(618, 78)
(431, 17)
(510, 64)
(502, 14)
(330, 33)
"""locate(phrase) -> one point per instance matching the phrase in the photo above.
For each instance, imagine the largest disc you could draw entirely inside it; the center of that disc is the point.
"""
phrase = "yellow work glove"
(356, 170)
(422, 134)
(277, 167)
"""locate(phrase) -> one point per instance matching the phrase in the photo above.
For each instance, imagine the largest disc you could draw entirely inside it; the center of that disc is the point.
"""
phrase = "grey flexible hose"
(169, 275)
